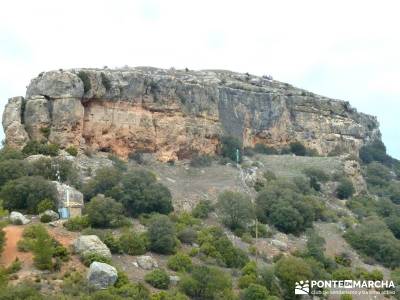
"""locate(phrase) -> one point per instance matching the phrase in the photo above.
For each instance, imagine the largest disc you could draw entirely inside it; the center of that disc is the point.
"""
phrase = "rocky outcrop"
(146, 262)
(101, 275)
(177, 113)
(87, 244)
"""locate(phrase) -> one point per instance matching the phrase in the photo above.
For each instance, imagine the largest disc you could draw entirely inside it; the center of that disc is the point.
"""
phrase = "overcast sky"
(348, 50)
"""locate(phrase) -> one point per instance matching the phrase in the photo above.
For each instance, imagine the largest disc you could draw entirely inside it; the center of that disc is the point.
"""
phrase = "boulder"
(101, 275)
(279, 244)
(147, 262)
(56, 84)
(13, 127)
(18, 219)
(174, 280)
(87, 244)
(51, 213)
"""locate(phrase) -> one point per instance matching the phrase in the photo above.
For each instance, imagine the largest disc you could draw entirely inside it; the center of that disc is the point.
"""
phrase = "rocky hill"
(177, 113)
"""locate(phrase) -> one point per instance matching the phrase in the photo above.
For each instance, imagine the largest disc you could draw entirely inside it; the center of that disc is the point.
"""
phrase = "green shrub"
(88, 258)
(7, 153)
(44, 205)
(42, 248)
(104, 212)
(162, 236)
(85, 80)
(35, 147)
(201, 161)
(72, 150)
(12, 169)
(45, 218)
(345, 189)
(158, 279)
(77, 223)
(45, 131)
(263, 149)
(45, 167)
(133, 243)
(187, 235)
(114, 243)
(180, 262)
(26, 193)
(205, 283)
(298, 149)
(373, 238)
(255, 292)
(202, 209)
(214, 243)
(236, 209)
(290, 270)
(23, 290)
(375, 151)
(377, 174)
(246, 280)
(170, 295)
(319, 174)
(103, 182)
(229, 148)
(105, 81)
(141, 193)
(343, 274)
(281, 205)
(15, 266)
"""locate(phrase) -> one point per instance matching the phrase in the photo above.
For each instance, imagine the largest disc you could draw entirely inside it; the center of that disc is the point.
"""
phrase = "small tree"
(162, 236)
(298, 149)
(255, 292)
(43, 249)
(230, 146)
(345, 189)
(236, 209)
(104, 212)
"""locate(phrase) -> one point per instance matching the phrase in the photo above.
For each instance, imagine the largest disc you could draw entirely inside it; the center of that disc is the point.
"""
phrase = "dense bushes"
(215, 244)
(25, 193)
(180, 262)
(345, 189)
(206, 283)
(375, 151)
(104, 212)
(85, 80)
(12, 169)
(132, 243)
(35, 147)
(202, 209)
(229, 148)
(158, 279)
(137, 190)
(373, 238)
(201, 161)
(162, 236)
(140, 193)
(236, 209)
(282, 205)
(104, 180)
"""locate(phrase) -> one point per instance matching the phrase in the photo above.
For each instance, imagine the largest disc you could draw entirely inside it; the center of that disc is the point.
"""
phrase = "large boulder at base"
(87, 244)
(147, 262)
(18, 219)
(51, 213)
(101, 275)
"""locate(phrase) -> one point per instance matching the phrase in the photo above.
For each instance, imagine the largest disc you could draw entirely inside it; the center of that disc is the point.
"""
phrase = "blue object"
(64, 213)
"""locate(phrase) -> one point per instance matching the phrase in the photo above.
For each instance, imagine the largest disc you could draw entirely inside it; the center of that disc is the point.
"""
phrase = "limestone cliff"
(175, 113)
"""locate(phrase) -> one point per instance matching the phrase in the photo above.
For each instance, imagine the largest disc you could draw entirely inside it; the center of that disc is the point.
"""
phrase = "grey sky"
(342, 49)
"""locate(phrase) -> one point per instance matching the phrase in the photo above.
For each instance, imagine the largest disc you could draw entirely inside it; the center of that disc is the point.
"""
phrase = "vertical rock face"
(177, 113)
